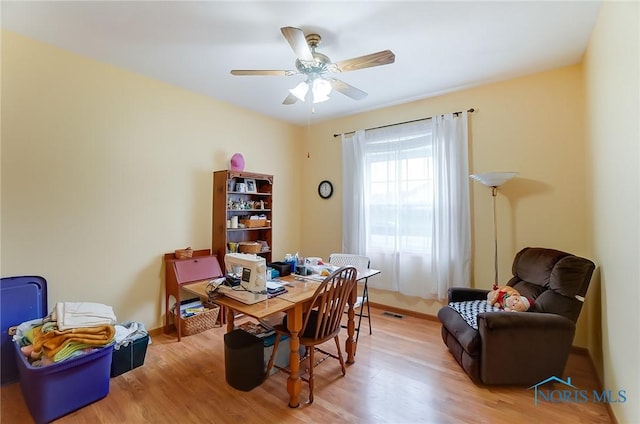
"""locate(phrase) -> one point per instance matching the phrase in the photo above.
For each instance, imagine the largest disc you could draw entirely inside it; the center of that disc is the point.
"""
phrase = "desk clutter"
(295, 264)
(248, 278)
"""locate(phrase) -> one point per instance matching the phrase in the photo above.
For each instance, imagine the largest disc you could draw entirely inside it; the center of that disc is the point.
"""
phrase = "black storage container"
(129, 357)
(243, 360)
(284, 268)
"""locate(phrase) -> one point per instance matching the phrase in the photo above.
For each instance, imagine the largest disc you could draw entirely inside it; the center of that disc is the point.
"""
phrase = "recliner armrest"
(526, 321)
(523, 347)
(461, 294)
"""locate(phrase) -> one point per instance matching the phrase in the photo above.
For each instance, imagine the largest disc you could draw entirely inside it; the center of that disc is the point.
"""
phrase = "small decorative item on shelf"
(184, 253)
(251, 185)
(264, 246)
(237, 162)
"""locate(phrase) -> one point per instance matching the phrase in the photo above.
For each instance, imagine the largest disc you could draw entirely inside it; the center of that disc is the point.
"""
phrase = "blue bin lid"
(21, 299)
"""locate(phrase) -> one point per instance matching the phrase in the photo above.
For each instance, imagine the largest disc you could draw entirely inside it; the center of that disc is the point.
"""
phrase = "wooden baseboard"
(160, 330)
(406, 312)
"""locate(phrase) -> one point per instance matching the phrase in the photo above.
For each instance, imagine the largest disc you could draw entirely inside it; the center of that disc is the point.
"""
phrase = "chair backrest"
(348, 259)
(556, 281)
(329, 301)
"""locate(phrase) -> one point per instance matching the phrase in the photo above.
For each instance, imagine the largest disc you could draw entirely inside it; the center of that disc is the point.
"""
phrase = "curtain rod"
(399, 123)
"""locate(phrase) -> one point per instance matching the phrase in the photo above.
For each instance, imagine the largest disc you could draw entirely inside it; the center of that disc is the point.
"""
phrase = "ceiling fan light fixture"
(313, 65)
(300, 91)
(321, 89)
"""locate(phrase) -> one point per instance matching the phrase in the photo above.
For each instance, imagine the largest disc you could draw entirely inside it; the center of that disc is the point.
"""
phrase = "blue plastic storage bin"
(54, 390)
(22, 299)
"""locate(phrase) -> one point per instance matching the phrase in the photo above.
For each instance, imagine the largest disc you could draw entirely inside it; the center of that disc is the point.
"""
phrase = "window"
(406, 204)
(400, 193)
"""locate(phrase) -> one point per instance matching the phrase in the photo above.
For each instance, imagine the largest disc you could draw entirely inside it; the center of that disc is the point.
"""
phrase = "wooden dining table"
(300, 290)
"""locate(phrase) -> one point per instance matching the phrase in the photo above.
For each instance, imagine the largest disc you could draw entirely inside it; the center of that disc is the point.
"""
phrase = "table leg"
(350, 345)
(294, 325)
(230, 317)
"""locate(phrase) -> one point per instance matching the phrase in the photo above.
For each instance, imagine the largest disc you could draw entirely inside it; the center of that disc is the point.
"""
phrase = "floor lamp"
(494, 180)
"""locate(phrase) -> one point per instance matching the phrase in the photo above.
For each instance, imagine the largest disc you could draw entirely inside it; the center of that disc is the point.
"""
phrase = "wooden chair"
(321, 321)
(361, 263)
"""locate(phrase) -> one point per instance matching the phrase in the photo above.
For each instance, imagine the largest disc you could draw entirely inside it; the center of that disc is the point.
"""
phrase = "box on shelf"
(249, 247)
(129, 357)
(254, 223)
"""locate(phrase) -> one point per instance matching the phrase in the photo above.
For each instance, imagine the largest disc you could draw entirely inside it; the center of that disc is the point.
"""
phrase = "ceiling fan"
(316, 65)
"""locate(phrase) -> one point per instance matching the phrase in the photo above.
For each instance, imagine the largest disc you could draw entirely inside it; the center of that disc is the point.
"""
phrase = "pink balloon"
(237, 162)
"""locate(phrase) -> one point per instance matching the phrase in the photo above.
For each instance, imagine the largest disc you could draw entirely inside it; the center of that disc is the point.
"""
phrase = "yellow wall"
(612, 74)
(532, 125)
(103, 171)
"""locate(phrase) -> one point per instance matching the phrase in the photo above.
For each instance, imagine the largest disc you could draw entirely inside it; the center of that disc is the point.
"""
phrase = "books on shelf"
(191, 307)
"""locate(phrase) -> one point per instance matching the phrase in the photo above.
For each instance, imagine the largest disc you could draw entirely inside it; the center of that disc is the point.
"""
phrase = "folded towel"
(72, 350)
(51, 343)
(83, 314)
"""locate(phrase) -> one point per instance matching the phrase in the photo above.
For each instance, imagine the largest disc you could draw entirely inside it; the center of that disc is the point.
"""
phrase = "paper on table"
(273, 285)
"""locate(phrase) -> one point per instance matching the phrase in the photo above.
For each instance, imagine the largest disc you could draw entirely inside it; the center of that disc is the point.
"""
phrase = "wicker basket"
(253, 223)
(200, 322)
(249, 247)
(184, 253)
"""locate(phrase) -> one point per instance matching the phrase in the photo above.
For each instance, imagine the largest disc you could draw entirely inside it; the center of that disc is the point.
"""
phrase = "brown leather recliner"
(521, 348)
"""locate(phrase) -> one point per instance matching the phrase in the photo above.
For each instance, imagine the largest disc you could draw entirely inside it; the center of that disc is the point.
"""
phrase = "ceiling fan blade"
(252, 72)
(374, 59)
(290, 99)
(346, 89)
(296, 39)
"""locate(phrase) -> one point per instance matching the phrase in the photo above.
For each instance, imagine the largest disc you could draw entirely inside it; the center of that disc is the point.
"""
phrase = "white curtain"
(406, 204)
(353, 197)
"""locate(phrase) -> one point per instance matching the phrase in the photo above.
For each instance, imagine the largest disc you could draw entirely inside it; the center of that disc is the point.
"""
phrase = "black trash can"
(243, 360)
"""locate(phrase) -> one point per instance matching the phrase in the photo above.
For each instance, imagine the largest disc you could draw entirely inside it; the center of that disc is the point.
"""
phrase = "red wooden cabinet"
(181, 272)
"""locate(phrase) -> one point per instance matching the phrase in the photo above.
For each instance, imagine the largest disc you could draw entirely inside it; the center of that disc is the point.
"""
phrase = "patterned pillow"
(470, 309)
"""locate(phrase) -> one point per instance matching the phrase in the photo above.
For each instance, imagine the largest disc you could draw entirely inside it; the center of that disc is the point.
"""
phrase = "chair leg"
(312, 361)
(273, 356)
(340, 358)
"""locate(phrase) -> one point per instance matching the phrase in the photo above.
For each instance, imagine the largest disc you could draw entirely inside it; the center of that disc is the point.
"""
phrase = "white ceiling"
(439, 46)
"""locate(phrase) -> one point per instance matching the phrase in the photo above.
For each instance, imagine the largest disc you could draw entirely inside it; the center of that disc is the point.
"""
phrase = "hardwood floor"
(403, 374)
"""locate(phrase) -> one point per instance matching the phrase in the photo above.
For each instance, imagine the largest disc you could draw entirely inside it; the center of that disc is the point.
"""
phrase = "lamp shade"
(493, 179)
(300, 91)
(321, 89)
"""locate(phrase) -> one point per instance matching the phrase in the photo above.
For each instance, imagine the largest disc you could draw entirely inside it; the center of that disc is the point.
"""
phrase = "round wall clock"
(325, 189)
